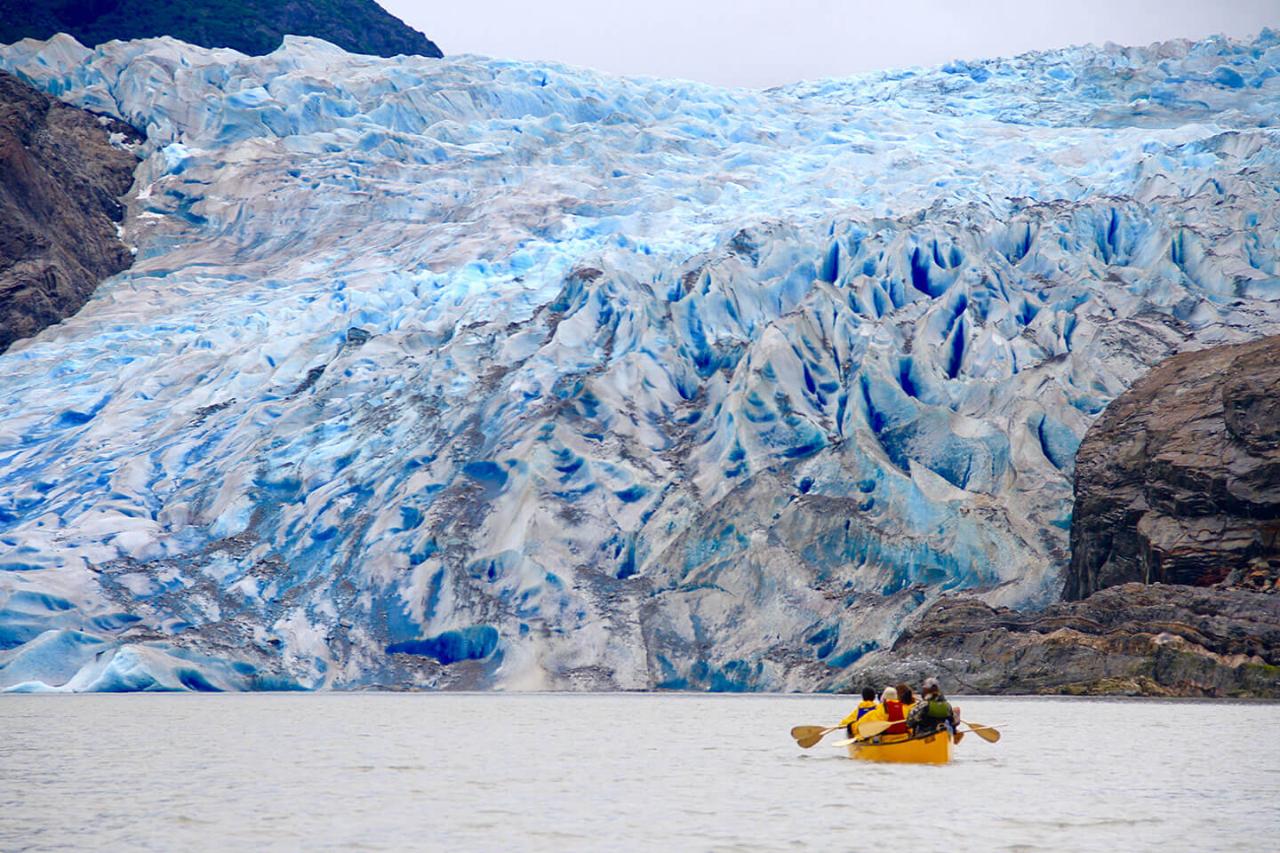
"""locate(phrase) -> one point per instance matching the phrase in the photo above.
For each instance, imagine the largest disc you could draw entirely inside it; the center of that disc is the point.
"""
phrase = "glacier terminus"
(470, 373)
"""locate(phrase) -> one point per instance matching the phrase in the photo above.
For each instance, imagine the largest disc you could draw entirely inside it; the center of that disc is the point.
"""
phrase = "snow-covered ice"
(480, 373)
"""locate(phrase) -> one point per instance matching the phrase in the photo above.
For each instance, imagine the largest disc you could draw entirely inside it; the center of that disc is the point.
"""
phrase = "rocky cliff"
(60, 178)
(1179, 480)
(1175, 550)
(254, 27)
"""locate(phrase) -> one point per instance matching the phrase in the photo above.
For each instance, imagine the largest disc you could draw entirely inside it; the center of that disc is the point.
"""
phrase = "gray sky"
(770, 42)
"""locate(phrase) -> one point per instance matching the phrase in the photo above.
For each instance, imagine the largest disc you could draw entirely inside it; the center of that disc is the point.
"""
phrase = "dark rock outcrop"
(250, 26)
(60, 178)
(1179, 480)
(1175, 553)
(1135, 639)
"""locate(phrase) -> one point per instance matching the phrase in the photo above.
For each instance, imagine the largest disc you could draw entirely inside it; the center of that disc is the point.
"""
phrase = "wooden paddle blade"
(846, 741)
(987, 733)
(807, 736)
(802, 732)
(873, 728)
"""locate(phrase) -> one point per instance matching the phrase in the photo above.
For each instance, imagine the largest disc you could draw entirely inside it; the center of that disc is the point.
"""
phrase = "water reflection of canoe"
(930, 749)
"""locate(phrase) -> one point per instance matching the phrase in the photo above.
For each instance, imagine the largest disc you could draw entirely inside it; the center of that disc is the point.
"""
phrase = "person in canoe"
(934, 712)
(890, 710)
(867, 705)
(907, 698)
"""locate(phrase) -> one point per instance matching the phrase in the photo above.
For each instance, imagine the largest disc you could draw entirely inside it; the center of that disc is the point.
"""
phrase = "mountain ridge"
(253, 27)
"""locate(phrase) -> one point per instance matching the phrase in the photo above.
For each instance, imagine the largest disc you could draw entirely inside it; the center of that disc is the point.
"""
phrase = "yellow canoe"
(931, 749)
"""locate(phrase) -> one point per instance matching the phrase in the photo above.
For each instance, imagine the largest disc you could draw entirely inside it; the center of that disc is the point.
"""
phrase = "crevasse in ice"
(476, 373)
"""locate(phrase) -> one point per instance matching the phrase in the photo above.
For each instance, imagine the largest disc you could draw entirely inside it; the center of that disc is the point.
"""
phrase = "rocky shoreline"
(1129, 640)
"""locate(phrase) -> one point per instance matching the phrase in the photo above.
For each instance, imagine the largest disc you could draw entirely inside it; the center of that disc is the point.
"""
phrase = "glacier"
(467, 373)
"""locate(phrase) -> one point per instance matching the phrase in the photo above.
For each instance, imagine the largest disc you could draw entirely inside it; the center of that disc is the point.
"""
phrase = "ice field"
(475, 373)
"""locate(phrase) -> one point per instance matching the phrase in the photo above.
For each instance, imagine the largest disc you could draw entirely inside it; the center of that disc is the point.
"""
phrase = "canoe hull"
(934, 749)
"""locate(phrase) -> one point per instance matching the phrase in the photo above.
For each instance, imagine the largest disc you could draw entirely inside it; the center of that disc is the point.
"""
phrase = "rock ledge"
(1133, 639)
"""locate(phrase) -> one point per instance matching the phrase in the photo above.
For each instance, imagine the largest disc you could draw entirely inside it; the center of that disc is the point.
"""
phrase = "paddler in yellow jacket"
(866, 706)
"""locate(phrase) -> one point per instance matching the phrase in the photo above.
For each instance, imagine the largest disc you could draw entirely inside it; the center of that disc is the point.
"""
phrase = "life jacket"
(929, 715)
(863, 707)
(893, 712)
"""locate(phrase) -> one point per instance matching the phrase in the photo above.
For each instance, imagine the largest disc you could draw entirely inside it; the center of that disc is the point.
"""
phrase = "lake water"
(621, 772)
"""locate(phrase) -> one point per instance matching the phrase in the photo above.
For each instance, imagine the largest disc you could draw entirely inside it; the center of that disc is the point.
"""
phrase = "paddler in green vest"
(933, 712)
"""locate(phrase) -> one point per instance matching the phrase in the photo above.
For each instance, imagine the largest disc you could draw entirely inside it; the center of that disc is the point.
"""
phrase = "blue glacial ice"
(471, 373)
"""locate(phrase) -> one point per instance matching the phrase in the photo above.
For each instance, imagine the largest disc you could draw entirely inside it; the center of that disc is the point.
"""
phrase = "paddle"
(987, 733)
(870, 730)
(807, 736)
(867, 730)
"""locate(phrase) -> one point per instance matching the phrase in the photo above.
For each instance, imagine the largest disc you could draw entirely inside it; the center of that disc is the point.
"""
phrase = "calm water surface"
(621, 772)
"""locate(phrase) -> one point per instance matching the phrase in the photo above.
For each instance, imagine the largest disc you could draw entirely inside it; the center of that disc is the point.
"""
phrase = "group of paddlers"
(908, 716)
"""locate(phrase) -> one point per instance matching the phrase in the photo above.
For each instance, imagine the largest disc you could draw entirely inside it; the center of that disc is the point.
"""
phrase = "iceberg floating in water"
(481, 373)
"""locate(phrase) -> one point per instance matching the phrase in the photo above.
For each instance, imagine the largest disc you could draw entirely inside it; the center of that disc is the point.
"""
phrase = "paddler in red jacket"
(889, 709)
